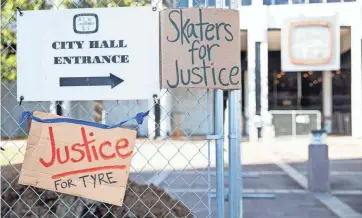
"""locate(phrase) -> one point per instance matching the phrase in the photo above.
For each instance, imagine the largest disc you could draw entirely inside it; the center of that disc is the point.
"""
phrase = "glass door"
(311, 90)
(295, 90)
(283, 90)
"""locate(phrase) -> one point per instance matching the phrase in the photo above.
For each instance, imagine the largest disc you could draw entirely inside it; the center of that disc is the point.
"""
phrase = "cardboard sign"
(200, 48)
(310, 43)
(78, 160)
(88, 54)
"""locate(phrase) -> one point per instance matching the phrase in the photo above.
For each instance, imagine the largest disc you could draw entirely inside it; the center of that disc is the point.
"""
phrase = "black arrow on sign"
(112, 81)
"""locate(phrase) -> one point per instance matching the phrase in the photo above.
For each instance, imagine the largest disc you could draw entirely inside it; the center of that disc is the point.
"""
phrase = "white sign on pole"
(88, 54)
(310, 43)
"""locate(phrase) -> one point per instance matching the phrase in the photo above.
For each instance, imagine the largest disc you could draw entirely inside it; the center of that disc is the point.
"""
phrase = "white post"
(252, 130)
(165, 116)
(327, 101)
(246, 102)
(53, 107)
(226, 132)
(104, 114)
(267, 129)
(190, 3)
(356, 78)
(257, 32)
(151, 124)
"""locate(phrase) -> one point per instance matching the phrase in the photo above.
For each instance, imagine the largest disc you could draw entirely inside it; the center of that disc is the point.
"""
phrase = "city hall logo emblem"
(85, 23)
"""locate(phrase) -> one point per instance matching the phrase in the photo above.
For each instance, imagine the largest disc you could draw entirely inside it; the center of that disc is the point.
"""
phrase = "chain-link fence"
(164, 173)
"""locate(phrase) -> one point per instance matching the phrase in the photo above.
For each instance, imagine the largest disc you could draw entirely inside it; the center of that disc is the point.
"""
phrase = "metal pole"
(233, 140)
(235, 183)
(208, 150)
(239, 171)
(219, 131)
(258, 87)
(157, 117)
(239, 180)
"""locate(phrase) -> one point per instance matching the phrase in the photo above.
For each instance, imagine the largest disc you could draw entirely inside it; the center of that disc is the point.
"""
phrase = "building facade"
(337, 94)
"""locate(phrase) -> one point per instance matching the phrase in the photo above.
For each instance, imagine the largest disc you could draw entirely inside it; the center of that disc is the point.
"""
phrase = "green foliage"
(8, 34)
(8, 23)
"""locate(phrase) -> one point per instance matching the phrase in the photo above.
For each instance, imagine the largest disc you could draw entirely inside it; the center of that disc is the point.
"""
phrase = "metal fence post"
(233, 144)
(209, 127)
(235, 173)
(239, 169)
(219, 132)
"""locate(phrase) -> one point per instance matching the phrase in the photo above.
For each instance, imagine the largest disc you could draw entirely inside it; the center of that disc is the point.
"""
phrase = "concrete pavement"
(276, 166)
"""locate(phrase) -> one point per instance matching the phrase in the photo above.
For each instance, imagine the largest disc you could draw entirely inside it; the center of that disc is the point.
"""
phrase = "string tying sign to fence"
(78, 157)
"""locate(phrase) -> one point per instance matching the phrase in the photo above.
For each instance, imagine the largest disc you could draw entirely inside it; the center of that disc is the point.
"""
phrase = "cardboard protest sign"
(200, 48)
(79, 160)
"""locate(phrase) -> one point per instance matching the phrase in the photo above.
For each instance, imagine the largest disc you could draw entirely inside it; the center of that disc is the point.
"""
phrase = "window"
(295, 90)
(275, 2)
(245, 2)
(341, 87)
(281, 2)
(315, 1)
(298, 1)
(311, 96)
(283, 90)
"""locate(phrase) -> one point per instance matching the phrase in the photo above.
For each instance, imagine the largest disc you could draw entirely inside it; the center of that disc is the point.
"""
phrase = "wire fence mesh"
(176, 162)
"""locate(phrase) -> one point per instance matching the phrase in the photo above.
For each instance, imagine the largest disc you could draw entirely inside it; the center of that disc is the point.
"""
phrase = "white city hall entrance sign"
(310, 43)
(88, 54)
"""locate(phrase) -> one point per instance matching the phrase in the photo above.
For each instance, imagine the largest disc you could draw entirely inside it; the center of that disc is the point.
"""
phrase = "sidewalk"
(273, 166)
(345, 154)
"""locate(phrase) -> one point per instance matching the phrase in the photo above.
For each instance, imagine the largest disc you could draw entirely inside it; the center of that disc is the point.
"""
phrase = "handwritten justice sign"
(200, 48)
(78, 160)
